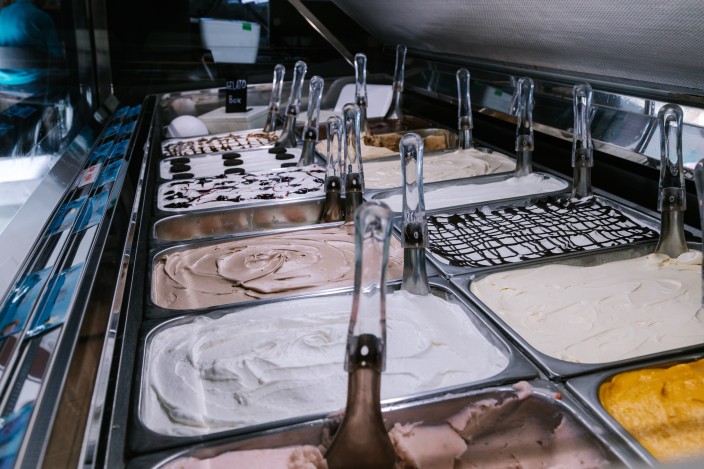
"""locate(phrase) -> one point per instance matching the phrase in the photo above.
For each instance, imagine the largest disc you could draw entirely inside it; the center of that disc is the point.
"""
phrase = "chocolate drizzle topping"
(549, 227)
(217, 143)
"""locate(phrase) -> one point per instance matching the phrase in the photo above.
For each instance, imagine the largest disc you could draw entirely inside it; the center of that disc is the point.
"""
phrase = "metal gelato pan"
(544, 413)
(144, 438)
(505, 233)
(223, 222)
(554, 367)
(586, 389)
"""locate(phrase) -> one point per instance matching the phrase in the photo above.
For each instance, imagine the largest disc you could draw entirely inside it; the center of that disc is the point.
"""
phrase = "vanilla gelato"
(438, 167)
(472, 193)
(551, 226)
(226, 163)
(261, 267)
(229, 141)
(228, 190)
(604, 313)
(285, 359)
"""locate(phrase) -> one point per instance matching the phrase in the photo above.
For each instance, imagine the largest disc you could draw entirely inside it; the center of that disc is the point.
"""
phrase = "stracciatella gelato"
(228, 141)
(603, 313)
(552, 225)
(285, 359)
(261, 267)
(663, 408)
(464, 194)
(439, 167)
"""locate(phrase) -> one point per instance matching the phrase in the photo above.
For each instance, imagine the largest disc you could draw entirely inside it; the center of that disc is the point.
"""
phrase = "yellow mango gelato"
(663, 408)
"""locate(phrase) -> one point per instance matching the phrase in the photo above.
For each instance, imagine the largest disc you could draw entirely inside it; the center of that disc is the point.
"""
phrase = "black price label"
(236, 96)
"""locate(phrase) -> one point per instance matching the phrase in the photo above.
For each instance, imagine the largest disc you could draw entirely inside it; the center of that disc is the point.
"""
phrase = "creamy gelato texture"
(229, 190)
(603, 313)
(226, 163)
(514, 430)
(663, 408)
(261, 267)
(228, 141)
(289, 457)
(285, 359)
(467, 193)
(438, 167)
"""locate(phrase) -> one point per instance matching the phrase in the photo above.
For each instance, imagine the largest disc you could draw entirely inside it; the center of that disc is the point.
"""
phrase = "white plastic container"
(230, 41)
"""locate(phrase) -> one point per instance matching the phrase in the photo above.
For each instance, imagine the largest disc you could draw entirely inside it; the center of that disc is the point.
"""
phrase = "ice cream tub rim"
(586, 390)
(143, 439)
(433, 410)
(555, 368)
(250, 213)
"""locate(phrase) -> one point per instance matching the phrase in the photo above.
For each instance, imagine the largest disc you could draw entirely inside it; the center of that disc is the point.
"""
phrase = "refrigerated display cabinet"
(79, 167)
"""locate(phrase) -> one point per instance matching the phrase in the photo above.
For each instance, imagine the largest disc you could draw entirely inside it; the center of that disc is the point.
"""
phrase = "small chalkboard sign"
(236, 96)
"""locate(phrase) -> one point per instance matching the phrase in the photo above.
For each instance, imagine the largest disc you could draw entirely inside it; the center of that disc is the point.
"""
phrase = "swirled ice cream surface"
(598, 314)
(285, 359)
(261, 267)
(464, 194)
(438, 167)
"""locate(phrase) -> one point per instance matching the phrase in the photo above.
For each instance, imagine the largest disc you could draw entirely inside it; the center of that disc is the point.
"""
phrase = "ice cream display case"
(504, 215)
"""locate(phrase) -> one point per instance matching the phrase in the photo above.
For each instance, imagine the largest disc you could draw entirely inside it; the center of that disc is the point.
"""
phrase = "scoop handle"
(415, 228)
(582, 146)
(360, 92)
(288, 134)
(332, 210)
(671, 199)
(354, 177)
(395, 111)
(310, 130)
(522, 108)
(277, 86)
(699, 182)
(464, 109)
(372, 233)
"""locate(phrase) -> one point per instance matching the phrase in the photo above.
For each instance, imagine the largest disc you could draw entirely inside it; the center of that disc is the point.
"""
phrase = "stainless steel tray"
(256, 159)
(476, 180)
(223, 222)
(586, 389)
(553, 367)
(153, 311)
(646, 219)
(143, 439)
(544, 403)
(188, 140)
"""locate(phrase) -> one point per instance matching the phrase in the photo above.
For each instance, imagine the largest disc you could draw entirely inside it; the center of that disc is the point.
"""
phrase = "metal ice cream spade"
(275, 101)
(582, 146)
(288, 135)
(464, 109)
(354, 176)
(361, 440)
(332, 210)
(360, 80)
(394, 111)
(522, 107)
(415, 228)
(310, 131)
(671, 201)
(699, 182)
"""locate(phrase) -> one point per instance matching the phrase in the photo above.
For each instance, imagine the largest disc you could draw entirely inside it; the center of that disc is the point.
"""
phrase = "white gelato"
(438, 167)
(471, 193)
(223, 163)
(285, 359)
(603, 313)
